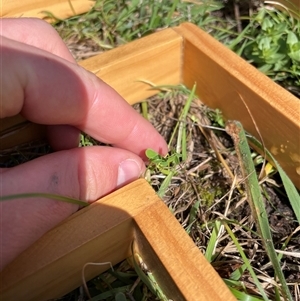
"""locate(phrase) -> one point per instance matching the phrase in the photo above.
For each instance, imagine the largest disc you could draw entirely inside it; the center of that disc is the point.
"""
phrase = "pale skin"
(41, 81)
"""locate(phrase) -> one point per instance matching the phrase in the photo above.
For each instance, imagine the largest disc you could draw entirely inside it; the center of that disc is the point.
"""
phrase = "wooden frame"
(105, 230)
(61, 9)
(188, 55)
(291, 4)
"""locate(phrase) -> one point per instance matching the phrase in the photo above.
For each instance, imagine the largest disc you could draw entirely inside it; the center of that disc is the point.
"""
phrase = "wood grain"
(104, 232)
(61, 9)
(169, 252)
(99, 233)
(155, 58)
(223, 78)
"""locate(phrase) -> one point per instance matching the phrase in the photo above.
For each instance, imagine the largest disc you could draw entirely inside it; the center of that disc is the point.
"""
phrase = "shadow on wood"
(104, 232)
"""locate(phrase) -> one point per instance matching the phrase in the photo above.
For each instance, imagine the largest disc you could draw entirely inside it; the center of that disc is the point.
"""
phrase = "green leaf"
(120, 297)
(289, 187)
(255, 199)
(267, 23)
(211, 246)
(151, 154)
(295, 55)
(243, 296)
(264, 43)
(165, 184)
(141, 273)
(291, 38)
(246, 262)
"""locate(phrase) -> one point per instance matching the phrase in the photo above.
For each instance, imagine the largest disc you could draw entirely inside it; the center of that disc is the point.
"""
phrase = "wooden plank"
(294, 5)
(16, 130)
(169, 248)
(223, 77)
(99, 233)
(155, 58)
(103, 232)
(61, 9)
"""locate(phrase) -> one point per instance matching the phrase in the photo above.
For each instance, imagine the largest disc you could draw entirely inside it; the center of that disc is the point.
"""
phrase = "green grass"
(112, 23)
(270, 41)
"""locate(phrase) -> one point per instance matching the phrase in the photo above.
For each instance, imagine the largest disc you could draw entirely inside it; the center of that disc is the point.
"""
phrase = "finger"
(32, 31)
(59, 92)
(83, 173)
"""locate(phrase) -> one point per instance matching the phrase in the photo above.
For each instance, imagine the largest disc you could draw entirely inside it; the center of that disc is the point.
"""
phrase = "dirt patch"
(204, 179)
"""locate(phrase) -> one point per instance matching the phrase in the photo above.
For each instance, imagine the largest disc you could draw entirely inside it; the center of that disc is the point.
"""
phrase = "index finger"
(50, 90)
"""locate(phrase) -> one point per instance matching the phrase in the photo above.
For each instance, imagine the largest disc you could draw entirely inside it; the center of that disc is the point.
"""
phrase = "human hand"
(41, 81)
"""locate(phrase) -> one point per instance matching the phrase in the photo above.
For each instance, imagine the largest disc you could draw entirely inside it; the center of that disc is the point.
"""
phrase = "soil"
(204, 178)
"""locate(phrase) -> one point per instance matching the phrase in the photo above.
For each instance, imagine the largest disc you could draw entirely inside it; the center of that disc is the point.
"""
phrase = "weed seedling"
(163, 164)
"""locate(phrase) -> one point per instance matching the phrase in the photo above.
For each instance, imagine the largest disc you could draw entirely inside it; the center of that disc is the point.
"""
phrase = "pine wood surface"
(155, 59)
(179, 256)
(61, 9)
(224, 79)
(104, 232)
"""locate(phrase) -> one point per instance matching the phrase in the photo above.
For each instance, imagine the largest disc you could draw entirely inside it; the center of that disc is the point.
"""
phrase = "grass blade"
(289, 187)
(246, 262)
(56, 197)
(165, 184)
(181, 138)
(255, 199)
(243, 296)
(211, 246)
(149, 280)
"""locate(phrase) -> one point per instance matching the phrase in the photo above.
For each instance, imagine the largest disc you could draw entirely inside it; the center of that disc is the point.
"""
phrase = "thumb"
(83, 173)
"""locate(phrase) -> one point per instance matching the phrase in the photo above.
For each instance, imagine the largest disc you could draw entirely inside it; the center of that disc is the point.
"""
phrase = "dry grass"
(203, 192)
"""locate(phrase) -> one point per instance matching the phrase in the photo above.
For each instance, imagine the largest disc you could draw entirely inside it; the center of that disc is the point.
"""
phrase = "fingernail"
(128, 171)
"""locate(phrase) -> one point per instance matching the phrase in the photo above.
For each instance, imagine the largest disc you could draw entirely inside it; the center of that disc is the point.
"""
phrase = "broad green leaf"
(292, 38)
(295, 55)
(151, 154)
(267, 23)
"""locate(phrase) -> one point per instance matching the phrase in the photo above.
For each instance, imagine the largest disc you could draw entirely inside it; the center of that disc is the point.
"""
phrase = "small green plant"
(271, 42)
(163, 164)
